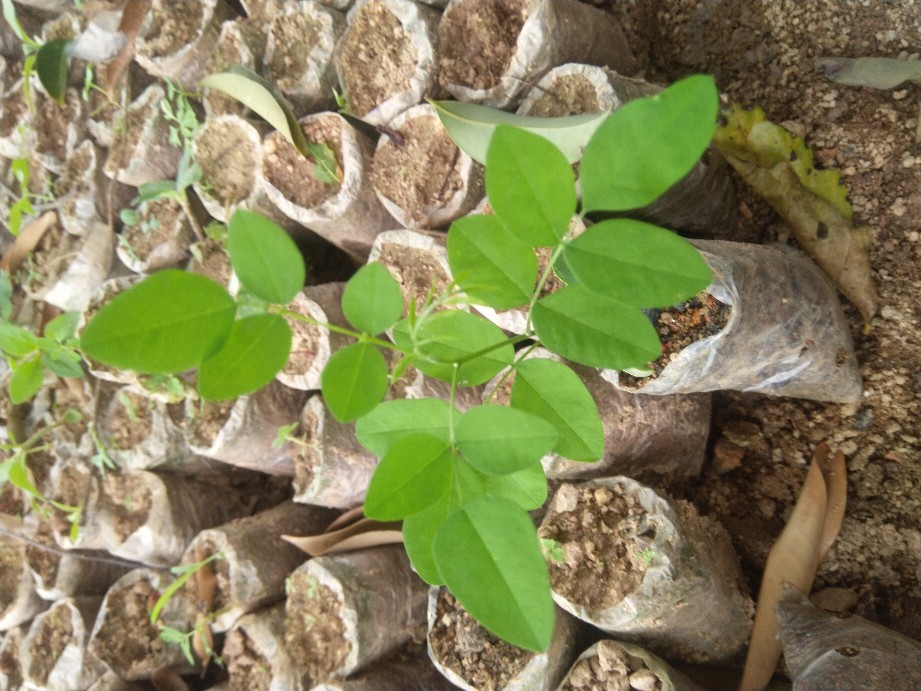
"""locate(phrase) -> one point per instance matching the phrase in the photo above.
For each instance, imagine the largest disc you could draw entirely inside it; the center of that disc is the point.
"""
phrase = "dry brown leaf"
(348, 532)
(778, 166)
(132, 17)
(167, 679)
(794, 559)
(29, 236)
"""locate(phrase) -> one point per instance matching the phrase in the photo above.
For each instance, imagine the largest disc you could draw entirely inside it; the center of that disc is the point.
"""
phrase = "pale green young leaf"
(354, 381)
(18, 475)
(489, 264)
(553, 391)
(646, 146)
(498, 440)
(372, 300)
(63, 326)
(878, 73)
(488, 554)
(169, 322)
(412, 475)
(594, 330)
(26, 379)
(252, 94)
(380, 429)
(63, 363)
(530, 186)
(52, 64)
(16, 341)
(452, 336)
(264, 99)
(254, 352)
(9, 14)
(637, 263)
(264, 257)
(471, 126)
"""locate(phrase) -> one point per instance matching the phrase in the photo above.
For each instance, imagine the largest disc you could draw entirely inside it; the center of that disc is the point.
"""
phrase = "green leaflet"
(454, 337)
(530, 186)
(264, 257)
(471, 126)
(594, 330)
(169, 322)
(637, 263)
(255, 351)
(414, 474)
(380, 429)
(553, 391)
(372, 300)
(498, 440)
(354, 381)
(489, 264)
(492, 541)
(647, 145)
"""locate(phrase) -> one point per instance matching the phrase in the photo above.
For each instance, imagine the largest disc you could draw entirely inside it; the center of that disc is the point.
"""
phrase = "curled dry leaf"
(349, 532)
(132, 17)
(878, 73)
(27, 240)
(795, 557)
(779, 167)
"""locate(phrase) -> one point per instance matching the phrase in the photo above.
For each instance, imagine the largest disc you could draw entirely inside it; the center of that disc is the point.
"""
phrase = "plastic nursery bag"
(786, 334)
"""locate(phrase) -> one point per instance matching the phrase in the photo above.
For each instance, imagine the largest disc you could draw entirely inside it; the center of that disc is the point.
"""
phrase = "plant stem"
(285, 312)
(554, 255)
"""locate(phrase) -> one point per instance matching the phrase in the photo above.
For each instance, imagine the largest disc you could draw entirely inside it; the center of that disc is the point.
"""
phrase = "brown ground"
(762, 53)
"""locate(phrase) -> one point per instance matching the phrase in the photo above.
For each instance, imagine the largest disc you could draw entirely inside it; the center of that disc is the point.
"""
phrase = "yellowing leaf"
(780, 168)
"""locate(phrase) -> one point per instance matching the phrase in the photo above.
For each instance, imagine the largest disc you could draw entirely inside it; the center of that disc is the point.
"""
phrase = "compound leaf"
(264, 257)
(488, 554)
(254, 352)
(169, 322)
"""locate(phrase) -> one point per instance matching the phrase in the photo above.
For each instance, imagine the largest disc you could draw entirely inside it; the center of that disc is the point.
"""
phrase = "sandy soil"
(762, 53)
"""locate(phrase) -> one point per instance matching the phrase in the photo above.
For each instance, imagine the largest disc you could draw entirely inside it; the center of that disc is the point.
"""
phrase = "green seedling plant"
(462, 482)
(199, 638)
(15, 470)
(178, 111)
(29, 355)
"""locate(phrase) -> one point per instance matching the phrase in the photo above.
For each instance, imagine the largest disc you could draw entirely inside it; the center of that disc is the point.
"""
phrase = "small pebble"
(644, 680)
